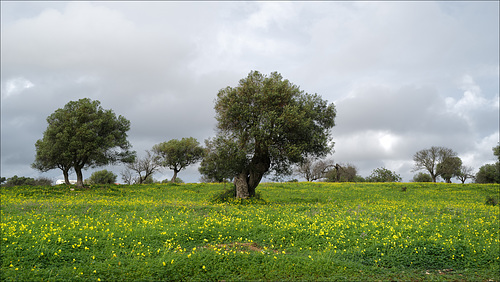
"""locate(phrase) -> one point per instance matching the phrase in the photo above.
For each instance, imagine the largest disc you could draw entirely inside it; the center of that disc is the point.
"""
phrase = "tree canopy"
(178, 154)
(268, 124)
(83, 134)
(448, 168)
(382, 174)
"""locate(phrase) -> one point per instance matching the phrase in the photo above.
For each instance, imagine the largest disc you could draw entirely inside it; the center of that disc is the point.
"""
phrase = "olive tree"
(82, 134)
(178, 154)
(449, 168)
(269, 124)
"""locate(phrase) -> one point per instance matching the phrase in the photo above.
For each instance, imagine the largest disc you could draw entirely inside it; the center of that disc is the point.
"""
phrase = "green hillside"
(296, 231)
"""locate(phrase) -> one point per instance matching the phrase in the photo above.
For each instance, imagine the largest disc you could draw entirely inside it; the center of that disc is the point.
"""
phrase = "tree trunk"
(241, 183)
(79, 177)
(175, 176)
(66, 176)
(248, 180)
(433, 177)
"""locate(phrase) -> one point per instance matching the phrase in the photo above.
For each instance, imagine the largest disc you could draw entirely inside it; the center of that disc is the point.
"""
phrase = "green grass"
(297, 231)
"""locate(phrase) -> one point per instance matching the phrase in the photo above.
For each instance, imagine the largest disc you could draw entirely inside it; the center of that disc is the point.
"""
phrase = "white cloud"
(15, 86)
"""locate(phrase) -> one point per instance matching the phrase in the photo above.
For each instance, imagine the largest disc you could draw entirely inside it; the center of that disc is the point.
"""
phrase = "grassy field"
(297, 231)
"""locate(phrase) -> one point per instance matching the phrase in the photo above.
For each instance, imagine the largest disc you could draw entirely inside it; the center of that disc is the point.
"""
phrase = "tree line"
(266, 126)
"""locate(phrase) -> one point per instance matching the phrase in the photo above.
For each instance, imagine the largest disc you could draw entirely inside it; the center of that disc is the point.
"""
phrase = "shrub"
(383, 175)
(27, 181)
(102, 177)
(422, 177)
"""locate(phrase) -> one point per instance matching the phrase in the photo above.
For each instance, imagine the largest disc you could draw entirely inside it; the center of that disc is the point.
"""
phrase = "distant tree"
(422, 177)
(144, 167)
(428, 159)
(383, 175)
(488, 173)
(87, 135)
(312, 169)
(449, 168)
(273, 125)
(102, 177)
(2, 180)
(343, 173)
(178, 154)
(127, 176)
(465, 172)
(26, 181)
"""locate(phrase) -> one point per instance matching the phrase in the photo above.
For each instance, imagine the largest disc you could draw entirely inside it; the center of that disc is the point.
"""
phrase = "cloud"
(404, 75)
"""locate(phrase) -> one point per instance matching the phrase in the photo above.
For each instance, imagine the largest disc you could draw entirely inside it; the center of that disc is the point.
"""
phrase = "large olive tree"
(267, 124)
(83, 134)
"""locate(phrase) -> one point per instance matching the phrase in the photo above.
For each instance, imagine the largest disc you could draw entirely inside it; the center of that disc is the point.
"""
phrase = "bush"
(102, 177)
(422, 177)
(27, 181)
(43, 181)
(228, 195)
(177, 180)
(383, 175)
(491, 201)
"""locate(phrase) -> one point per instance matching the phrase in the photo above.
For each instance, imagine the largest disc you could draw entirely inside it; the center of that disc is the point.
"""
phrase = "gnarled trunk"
(248, 180)
(241, 184)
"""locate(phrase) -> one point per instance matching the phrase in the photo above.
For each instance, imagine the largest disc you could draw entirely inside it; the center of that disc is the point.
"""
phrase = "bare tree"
(428, 159)
(144, 167)
(312, 169)
(466, 172)
(127, 176)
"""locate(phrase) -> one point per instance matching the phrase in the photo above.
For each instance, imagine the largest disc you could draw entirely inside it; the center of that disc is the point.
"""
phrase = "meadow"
(296, 231)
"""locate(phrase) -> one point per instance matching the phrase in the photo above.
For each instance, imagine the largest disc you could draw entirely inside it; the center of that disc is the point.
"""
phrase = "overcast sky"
(404, 76)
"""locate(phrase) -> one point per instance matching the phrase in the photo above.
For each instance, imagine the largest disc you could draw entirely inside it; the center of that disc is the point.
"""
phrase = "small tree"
(343, 173)
(422, 177)
(178, 154)
(383, 175)
(312, 169)
(428, 159)
(449, 168)
(465, 172)
(144, 167)
(102, 177)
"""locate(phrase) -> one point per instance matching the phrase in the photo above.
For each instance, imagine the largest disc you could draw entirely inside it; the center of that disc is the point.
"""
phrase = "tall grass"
(296, 231)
